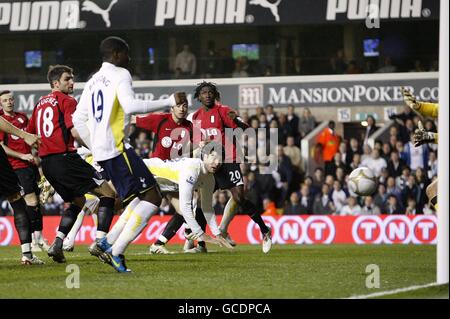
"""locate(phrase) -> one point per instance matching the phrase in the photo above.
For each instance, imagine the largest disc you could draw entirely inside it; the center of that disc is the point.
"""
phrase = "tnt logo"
(251, 95)
(6, 232)
(295, 230)
(395, 229)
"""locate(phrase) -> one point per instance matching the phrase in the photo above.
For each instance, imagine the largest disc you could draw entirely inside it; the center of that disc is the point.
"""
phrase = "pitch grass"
(288, 271)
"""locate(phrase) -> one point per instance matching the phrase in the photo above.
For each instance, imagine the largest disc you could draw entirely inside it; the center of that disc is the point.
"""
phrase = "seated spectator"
(410, 190)
(263, 123)
(293, 122)
(334, 165)
(416, 156)
(340, 175)
(313, 190)
(355, 148)
(293, 207)
(401, 117)
(381, 196)
(421, 183)
(407, 130)
(383, 176)
(344, 154)
(293, 152)
(411, 208)
(392, 189)
(401, 180)
(307, 122)
(367, 152)
(329, 180)
(283, 127)
(270, 114)
(258, 111)
(356, 162)
(352, 208)
(338, 195)
(432, 165)
(255, 188)
(221, 202)
(370, 128)
(369, 207)
(395, 164)
(386, 151)
(318, 178)
(392, 206)
(323, 204)
(375, 163)
(306, 200)
(401, 151)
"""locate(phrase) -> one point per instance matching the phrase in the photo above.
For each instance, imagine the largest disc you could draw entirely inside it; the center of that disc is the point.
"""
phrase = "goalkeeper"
(421, 136)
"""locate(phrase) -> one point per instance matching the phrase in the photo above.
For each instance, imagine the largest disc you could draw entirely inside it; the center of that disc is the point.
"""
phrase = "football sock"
(138, 220)
(104, 215)
(171, 229)
(33, 215)
(200, 218)
(70, 238)
(68, 218)
(228, 214)
(59, 239)
(252, 211)
(26, 250)
(118, 227)
(22, 221)
(161, 240)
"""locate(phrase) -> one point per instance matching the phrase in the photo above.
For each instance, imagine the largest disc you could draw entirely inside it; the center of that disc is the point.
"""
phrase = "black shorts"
(228, 176)
(28, 179)
(70, 175)
(9, 183)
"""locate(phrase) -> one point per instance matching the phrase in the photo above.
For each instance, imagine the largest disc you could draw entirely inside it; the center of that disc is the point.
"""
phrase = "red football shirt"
(19, 120)
(52, 121)
(212, 122)
(169, 136)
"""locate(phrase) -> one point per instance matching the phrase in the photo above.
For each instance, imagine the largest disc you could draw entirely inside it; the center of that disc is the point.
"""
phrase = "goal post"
(443, 158)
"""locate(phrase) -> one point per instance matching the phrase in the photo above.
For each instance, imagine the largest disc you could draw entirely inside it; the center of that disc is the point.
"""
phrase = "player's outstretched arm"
(131, 105)
(30, 139)
(424, 108)
(13, 153)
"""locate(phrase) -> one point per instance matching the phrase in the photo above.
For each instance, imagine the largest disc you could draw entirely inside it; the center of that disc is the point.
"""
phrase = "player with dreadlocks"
(213, 118)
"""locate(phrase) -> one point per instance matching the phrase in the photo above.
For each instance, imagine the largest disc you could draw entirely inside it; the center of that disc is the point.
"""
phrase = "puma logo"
(94, 8)
(268, 5)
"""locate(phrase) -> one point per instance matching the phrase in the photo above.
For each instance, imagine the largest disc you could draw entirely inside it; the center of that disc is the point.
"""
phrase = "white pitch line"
(395, 291)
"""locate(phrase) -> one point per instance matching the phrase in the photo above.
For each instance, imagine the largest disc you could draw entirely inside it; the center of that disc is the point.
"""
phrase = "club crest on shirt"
(166, 142)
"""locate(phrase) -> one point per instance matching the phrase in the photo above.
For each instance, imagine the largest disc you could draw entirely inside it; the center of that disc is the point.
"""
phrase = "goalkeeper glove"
(410, 100)
(422, 137)
(46, 190)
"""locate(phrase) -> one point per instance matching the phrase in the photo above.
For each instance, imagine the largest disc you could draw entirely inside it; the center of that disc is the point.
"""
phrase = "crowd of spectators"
(403, 170)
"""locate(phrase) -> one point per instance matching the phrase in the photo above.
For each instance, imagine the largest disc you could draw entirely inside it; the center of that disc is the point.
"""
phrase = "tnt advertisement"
(295, 229)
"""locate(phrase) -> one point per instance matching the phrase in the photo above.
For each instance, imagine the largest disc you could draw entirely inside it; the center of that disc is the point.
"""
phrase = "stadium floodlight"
(443, 180)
